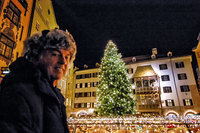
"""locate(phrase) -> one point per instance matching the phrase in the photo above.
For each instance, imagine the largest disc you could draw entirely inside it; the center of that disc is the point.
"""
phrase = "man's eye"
(55, 54)
(66, 57)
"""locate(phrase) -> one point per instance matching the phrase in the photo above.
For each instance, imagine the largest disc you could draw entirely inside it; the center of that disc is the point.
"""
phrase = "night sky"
(135, 26)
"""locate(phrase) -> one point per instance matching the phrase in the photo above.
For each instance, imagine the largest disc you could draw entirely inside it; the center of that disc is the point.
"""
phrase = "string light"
(114, 86)
(133, 123)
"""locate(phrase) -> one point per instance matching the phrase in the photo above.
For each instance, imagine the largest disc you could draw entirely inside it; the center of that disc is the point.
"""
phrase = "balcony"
(146, 90)
(148, 106)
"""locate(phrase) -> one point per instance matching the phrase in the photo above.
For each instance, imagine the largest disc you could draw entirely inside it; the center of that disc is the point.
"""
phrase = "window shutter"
(179, 77)
(172, 102)
(166, 102)
(185, 76)
(184, 102)
(191, 102)
(176, 65)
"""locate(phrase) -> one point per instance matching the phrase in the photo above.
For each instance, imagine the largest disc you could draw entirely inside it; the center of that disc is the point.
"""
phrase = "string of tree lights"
(115, 95)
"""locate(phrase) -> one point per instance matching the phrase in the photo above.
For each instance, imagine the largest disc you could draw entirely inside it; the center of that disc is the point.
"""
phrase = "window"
(78, 76)
(80, 105)
(85, 94)
(185, 88)
(80, 95)
(152, 82)
(94, 105)
(77, 85)
(187, 102)
(94, 94)
(86, 85)
(95, 84)
(89, 85)
(163, 66)
(138, 84)
(24, 3)
(39, 9)
(88, 105)
(13, 13)
(167, 89)
(83, 76)
(130, 70)
(83, 105)
(182, 76)
(81, 85)
(1, 4)
(87, 75)
(179, 65)
(21, 33)
(131, 80)
(145, 83)
(169, 102)
(76, 95)
(95, 74)
(37, 26)
(75, 105)
(133, 91)
(48, 11)
(165, 77)
(47, 21)
(6, 46)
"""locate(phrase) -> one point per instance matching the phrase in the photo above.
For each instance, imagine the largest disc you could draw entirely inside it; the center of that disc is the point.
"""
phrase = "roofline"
(162, 58)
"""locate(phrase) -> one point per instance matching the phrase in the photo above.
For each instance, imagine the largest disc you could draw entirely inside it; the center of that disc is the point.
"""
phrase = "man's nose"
(62, 59)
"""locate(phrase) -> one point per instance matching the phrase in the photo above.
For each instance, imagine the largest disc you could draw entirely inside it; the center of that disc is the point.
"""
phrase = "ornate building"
(14, 24)
(42, 17)
(162, 85)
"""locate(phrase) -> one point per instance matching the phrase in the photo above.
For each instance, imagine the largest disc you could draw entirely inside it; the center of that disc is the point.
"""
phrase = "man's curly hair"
(49, 39)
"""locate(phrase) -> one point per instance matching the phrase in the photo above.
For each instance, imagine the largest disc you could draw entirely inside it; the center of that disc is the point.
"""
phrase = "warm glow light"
(81, 111)
(148, 73)
(190, 111)
(90, 111)
(171, 112)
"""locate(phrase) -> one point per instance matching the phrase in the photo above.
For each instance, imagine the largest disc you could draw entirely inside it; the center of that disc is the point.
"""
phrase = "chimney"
(85, 66)
(169, 54)
(154, 51)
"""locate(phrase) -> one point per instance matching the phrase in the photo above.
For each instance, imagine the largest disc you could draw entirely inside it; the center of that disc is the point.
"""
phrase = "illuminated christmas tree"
(114, 95)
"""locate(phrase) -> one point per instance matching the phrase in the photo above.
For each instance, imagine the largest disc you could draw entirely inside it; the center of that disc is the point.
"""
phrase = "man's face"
(54, 63)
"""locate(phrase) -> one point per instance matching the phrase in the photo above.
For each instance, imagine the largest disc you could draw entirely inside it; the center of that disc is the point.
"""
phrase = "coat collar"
(24, 71)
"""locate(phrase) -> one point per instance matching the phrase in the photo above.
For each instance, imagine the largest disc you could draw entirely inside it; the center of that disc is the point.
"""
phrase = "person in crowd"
(30, 102)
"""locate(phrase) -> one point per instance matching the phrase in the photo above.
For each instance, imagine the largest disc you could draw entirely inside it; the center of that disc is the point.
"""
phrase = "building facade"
(162, 85)
(86, 82)
(14, 24)
(43, 17)
(19, 19)
(66, 84)
(196, 50)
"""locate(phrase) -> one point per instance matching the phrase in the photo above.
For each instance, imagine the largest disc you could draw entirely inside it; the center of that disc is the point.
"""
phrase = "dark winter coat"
(29, 103)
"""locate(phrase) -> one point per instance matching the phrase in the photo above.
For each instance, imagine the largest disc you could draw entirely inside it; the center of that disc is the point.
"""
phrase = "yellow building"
(14, 24)
(86, 82)
(197, 54)
(43, 17)
(67, 85)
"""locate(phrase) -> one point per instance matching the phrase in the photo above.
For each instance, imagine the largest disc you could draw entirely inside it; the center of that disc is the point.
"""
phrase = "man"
(29, 99)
